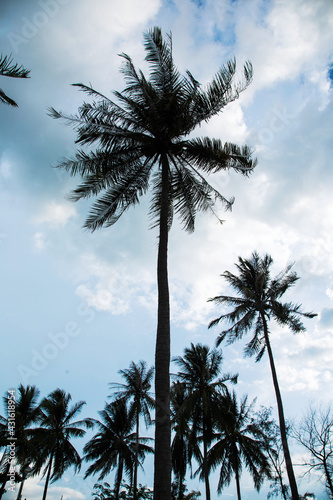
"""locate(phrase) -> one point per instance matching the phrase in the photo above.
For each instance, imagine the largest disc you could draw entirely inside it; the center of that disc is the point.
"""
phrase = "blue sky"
(77, 307)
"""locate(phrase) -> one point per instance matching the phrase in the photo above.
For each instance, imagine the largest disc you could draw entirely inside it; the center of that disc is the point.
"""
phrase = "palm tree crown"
(136, 389)
(53, 436)
(239, 439)
(258, 301)
(199, 370)
(13, 70)
(141, 143)
(114, 446)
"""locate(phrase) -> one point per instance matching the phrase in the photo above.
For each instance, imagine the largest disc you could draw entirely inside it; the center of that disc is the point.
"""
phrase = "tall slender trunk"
(47, 477)
(238, 485)
(204, 460)
(162, 461)
(289, 465)
(119, 477)
(135, 481)
(19, 494)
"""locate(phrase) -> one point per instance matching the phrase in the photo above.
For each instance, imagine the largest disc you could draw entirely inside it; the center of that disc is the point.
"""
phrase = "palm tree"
(182, 447)
(239, 439)
(52, 438)
(200, 368)
(258, 302)
(136, 389)
(115, 443)
(13, 70)
(25, 415)
(142, 141)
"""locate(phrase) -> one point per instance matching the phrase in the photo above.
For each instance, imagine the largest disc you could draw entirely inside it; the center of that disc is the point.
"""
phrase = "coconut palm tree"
(53, 437)
(13, 70)
(239, 439)
(182, 447)
(25, 414)
(199, 370)
(142, 142)
(257, 302)
(136, 390)
(115, 445)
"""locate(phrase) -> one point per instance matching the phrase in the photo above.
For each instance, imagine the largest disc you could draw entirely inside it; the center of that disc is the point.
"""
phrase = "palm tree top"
(148, 121)
(12, 70)
(258, 297)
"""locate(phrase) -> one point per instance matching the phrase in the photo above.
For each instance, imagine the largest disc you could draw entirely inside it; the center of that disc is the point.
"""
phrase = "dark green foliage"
(13, 70)
(239, 440)
(114, 446)
(55, 450)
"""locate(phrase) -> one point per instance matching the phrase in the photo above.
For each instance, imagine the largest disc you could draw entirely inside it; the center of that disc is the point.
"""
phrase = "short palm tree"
(114, 446)
(142, 142)
(239, 439)
(257, 302)
(136, 389)
(26, 415)
(199, 371)
(182, 446)
(56, 452)
(13, 70)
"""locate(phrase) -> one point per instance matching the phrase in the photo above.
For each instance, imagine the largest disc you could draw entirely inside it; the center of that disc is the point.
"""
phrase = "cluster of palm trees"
(142, 141)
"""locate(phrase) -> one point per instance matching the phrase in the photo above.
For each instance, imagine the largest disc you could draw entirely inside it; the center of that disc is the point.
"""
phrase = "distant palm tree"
(25, 415)
(199, 370)
(114, 446)
(56, 452)
(182, 447)
(142, 142)
(239, 440)
(136, 390)
(13, 70)
(258, 302)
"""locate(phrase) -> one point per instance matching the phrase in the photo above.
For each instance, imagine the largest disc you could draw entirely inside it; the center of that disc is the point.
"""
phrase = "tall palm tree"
(25, 414)
(56, 452)
(114, 446)
(239, 440)
(199, 370)
(136, 390)
(257, 302)
(142, 142)
(13, 70)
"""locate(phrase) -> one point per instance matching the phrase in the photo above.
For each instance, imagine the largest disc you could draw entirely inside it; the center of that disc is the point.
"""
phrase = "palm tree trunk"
(205, 464)
(238, 485)
(289, 465)
(162, 462)
(47, 477)
(135, 481)
(119, 477)
(19, 494)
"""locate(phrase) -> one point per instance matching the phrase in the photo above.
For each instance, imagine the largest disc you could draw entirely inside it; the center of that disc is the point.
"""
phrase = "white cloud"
(40, 241)
(55, 214)
(6, 166)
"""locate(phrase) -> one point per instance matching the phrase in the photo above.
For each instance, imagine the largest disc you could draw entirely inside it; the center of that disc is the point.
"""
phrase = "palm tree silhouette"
(25, 414)
(239, 439)
(56, 452)
(258, 302)
(182, 447)
(115, 445)
(141, 143)
(200, 368)
(13, 70)
(136, 390)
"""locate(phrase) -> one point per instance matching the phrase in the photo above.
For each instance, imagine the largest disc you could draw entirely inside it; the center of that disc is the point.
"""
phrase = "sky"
(77, 307)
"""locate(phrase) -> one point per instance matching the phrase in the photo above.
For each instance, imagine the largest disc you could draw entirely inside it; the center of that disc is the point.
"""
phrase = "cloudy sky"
(77, 307)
